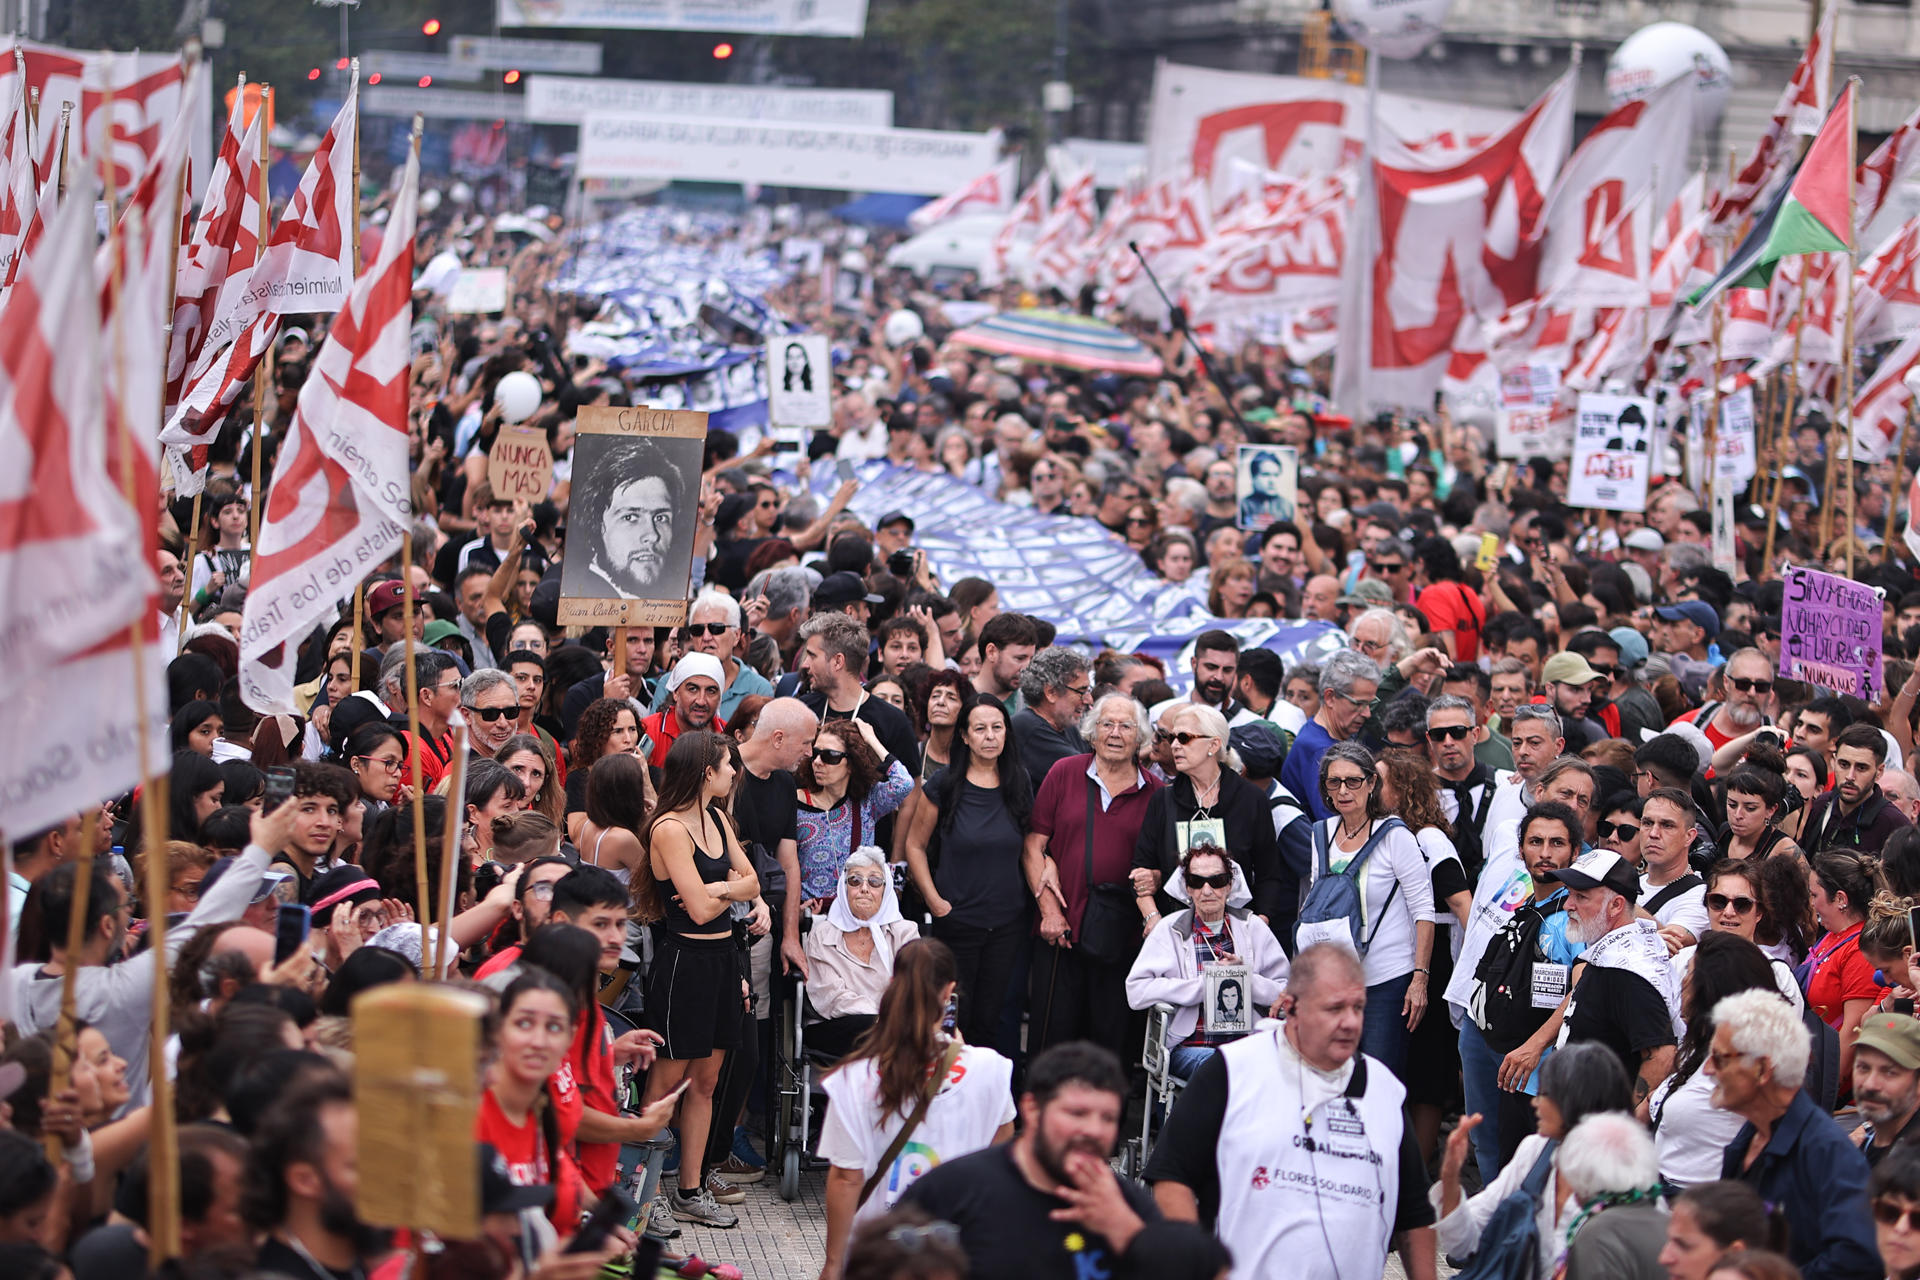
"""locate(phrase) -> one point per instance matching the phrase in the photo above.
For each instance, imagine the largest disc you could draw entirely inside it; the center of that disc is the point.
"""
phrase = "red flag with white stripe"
(20, 194)
(991, 192)
(1802, 109)
(338, 502)
(1018, 231)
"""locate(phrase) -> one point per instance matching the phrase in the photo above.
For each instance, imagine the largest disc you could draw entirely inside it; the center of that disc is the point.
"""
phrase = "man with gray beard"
(1749, 682)
(1886, 1082)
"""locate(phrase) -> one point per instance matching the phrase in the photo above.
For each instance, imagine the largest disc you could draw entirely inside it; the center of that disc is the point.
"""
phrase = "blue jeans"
(1186, 1059)
(1385, 1033)
(1479, 1078)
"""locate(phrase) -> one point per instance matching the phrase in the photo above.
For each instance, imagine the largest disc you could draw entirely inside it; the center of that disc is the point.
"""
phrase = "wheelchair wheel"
(790, 1174)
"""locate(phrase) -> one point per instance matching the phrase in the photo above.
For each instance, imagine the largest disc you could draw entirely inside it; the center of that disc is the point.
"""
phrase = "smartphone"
(290, 929)
(615, 1209)
(950, 1020)
(279, 786)
(843, 469)
(1913, 926)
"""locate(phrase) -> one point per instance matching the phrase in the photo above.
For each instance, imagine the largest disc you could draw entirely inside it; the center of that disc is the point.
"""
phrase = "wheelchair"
(794, 1072)
(1162, 1088)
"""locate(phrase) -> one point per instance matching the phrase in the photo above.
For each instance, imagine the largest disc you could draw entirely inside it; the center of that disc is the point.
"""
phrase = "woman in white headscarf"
(1216, 928)
(850, 951)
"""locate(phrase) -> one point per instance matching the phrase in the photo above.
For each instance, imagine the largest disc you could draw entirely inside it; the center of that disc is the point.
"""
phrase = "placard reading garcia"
(636, 496)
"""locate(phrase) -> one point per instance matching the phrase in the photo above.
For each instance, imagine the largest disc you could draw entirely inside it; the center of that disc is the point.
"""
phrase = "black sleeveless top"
(712, 870)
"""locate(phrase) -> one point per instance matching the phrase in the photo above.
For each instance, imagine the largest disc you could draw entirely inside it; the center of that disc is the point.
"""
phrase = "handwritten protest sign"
(1830, 633)
(520, 465)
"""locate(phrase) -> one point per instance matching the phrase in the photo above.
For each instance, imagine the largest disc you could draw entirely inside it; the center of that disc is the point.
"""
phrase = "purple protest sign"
(1830, 631)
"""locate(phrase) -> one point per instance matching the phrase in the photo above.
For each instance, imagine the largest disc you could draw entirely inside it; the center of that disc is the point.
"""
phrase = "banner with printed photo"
(1266, 484)
(799, 381)
(636, 495)
(1530, 422)
(1612, 453)
(1830, 633)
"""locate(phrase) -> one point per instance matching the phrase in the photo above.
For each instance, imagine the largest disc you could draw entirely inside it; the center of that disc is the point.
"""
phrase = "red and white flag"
(1802, 109)
(1058, 260)
(1892, 163)
(1016, 235)
(20, 174)
(338, 502)
(1882, 405)
(222, 254)
(71, 568)
(1886, 292)
(1286, 259)
(309, 263)
(991, 192)
(1598, 224)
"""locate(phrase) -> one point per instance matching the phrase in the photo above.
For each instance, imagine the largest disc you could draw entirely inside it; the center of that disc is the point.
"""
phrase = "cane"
(1053, 977)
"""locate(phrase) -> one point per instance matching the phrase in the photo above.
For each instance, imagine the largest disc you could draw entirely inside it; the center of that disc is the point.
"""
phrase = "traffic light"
(342, 64)
(431, 27)
(313, 73)
(511, 77)
(426, 82)
(722, 51)
(374, 78)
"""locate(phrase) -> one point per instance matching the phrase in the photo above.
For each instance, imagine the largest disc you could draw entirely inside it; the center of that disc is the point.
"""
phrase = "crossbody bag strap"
(1684, 884)
(899, 1142)
(1091, 785)
(1355, 865)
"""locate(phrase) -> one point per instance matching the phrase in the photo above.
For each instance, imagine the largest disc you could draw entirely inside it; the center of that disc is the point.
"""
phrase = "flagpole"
(450, 848)
(421, 878)
(193, 544)
(260, 374)
(1786, 422)
(1846, 344)
(64, 1034)
(356, 164)
(1893, 490)
(359, 633)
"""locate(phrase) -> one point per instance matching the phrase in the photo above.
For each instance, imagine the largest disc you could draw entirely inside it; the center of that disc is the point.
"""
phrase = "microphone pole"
(1179, 319)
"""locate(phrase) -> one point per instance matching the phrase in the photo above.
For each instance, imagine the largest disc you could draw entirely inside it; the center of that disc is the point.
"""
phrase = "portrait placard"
(1228, 1007)
(636, 497)
(799, 381)
(1267, 484)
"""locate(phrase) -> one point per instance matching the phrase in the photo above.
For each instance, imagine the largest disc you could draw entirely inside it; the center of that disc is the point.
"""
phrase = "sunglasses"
(1608, 830)
(1602, 669)
(1139, 520)
(708, 628)
(871, 882)
(491, 714)
(1185, 738)
(1378, 567)
(1221, 881)
(1751, 686)
(827, 755)
(1456, 732)
(1348, 784)
(1891, 1213)
(1720, 902)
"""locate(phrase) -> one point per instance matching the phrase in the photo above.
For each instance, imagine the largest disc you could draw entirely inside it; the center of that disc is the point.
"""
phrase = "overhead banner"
(482, 53)
(1830, 633)
(568, 100)
(756, 17)
(911, 161)
(1612, 453)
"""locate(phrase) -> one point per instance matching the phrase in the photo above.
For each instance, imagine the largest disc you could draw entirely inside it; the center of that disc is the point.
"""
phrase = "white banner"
(760, 17)
(567, 100)
(1529, 423)
(481, 53)
(1612, 452)
(914, 161)
(407, 101)
(1735, 441)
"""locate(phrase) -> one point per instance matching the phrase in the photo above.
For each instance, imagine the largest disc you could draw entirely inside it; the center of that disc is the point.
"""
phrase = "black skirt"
(693, 994)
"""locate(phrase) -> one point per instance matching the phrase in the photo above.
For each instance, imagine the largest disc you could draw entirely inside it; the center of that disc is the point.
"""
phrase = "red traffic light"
(342, 64)
(431, 27)
(723, 51)
(426, 82)
(374, 78)
(512, 77)
(313, 74)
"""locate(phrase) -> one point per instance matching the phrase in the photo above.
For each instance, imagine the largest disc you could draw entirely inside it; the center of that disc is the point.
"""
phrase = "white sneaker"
(660, 1223)
(702, 1208)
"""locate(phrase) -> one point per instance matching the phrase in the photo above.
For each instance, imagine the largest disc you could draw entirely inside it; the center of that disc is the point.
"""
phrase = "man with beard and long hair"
(1292, 1139)
(1627, 998)
(1046, 1205)
(301, 1180)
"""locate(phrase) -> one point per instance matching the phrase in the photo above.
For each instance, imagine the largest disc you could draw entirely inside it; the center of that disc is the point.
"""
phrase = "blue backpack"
(1510, 1242)
(1336, 895)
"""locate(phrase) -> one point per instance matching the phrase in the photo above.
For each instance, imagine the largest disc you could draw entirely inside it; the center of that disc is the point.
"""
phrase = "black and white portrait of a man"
(630, 526)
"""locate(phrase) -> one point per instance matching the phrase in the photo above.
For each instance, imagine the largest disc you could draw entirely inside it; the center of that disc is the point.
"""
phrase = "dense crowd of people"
(1542, 923)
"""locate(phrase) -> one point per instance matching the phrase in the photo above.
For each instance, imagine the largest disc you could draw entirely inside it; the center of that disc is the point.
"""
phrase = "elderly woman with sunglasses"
(850, 952)
(847, 784)
(1396, 898)
(1215, 929)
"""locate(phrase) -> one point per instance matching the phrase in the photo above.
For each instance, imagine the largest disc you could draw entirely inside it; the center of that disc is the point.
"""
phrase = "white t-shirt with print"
(969, 1109)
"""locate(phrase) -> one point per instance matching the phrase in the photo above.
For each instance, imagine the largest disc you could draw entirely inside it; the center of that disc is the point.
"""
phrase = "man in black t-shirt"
(1004, 1199)
(1625, 995)
(833, 656)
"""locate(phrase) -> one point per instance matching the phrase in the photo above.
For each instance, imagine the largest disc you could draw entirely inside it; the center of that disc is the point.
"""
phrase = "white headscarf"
(1238, 894)
(840, 912)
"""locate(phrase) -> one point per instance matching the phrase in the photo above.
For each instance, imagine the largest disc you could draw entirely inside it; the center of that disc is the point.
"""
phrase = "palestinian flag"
(1807, 215)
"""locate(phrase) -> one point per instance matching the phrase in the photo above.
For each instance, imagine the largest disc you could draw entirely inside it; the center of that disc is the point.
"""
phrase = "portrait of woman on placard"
(799, 370)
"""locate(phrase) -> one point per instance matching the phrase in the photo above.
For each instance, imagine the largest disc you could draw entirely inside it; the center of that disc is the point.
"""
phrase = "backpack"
(1510, 1242)
(1505, 975)
(1335, 897)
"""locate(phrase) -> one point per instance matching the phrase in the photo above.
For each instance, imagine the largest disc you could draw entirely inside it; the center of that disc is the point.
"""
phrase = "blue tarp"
(879, 209)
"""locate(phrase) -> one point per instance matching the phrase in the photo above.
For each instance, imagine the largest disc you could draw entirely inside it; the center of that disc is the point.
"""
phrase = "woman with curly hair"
(847, 784)
(1231, 588)
(607, 728)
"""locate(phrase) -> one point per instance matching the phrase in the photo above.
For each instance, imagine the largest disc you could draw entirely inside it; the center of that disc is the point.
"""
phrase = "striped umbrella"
(1061, 338)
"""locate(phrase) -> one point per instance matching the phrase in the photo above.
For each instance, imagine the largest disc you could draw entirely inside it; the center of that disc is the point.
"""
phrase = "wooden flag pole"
(356, 168)
(1786, 425)
(1893, 490)
(359, 634)
(193, 549)
(1846, 342)
(262, 373)
(451, 849)
(421, 879)
(64, 1036)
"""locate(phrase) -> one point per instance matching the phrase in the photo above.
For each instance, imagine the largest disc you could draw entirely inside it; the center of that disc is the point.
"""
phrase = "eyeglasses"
(1221, 881)
(1720, 1060)
(1443, 732)
(827, 755)
(542, 890)
(914, 1239)
(1609, 672)
(189, 891)
(1889, 1212)
(454, 687)
(1720, 902)
(1751, 686)
(1609, 830)
(1116, 726)
(1080, 690)
(1139, 520)
(1379, 567)
(491, 714)
(390, 765)
(1348, 784)
(708, 628)
(1185, 739)
(871, 882)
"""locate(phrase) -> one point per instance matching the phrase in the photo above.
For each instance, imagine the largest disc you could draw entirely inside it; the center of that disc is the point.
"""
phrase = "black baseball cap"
(841, 588)
(895, 517)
